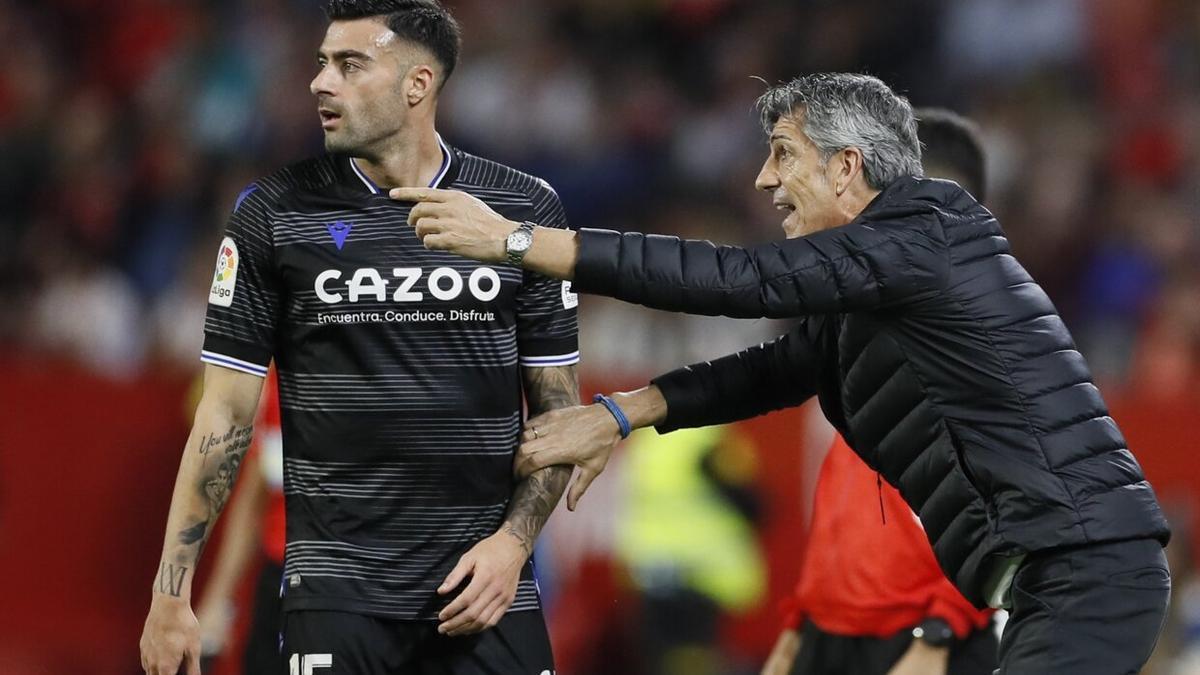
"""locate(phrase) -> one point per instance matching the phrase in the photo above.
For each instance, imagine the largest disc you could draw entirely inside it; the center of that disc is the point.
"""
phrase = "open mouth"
(328, 116)
(785, 207)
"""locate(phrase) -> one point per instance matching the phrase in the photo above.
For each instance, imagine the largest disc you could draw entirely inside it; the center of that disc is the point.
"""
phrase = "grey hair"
(843, 110)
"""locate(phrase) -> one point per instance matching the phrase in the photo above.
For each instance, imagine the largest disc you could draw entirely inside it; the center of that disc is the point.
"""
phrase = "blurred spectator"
(686, 536)
(636, 111)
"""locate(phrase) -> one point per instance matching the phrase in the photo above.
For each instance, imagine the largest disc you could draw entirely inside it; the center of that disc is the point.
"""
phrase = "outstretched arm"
(495, 563)
(219, 439)
(860, 266)
(900, 255)
(767, 377)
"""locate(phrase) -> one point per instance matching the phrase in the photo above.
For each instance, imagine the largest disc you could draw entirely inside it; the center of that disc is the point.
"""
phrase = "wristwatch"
(518, 243)
(934, 632)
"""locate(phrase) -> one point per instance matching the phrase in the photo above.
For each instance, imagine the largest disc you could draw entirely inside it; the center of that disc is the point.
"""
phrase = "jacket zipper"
(879, 488)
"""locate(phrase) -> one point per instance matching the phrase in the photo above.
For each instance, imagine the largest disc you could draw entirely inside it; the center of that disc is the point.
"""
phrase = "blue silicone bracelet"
(622, 420)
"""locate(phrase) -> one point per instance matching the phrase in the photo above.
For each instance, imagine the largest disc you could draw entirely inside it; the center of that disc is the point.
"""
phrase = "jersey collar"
(439, 180)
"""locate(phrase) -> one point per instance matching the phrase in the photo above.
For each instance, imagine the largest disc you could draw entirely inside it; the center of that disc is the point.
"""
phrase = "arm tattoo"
(217, 478)
(193, 534)
(170, 579)
(218, 483)
(547, 389)
(533, 501)
(535, 497)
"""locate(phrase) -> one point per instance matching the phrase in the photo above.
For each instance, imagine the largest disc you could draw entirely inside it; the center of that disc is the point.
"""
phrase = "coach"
(931, 350)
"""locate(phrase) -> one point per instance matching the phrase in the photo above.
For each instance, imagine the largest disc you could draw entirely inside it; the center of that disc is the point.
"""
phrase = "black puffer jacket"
(932, 351)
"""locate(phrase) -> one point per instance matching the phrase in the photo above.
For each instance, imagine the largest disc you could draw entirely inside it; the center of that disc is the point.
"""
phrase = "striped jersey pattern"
(399, 374)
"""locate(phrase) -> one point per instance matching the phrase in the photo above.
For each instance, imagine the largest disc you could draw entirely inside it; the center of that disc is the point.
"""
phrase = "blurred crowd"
(128, 128)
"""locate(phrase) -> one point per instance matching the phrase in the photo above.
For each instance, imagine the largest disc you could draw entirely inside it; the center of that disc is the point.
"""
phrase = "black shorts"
(262, 641)
(339, 643)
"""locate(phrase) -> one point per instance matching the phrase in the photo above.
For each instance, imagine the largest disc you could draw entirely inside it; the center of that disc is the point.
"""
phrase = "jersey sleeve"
(243, 302)
(547, 328)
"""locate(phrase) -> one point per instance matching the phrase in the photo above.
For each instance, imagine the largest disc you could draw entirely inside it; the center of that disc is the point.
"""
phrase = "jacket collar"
(912, 191)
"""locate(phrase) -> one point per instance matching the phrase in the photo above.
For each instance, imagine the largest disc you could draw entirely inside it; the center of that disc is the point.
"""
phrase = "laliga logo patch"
(225, 277)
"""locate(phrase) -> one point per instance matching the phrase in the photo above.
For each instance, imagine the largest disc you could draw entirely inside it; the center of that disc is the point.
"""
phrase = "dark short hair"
(423, 22)
(952, 145)
(843, 110)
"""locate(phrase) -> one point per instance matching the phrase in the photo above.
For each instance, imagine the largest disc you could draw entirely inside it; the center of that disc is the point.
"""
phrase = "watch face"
(934, 632)
(519, 241)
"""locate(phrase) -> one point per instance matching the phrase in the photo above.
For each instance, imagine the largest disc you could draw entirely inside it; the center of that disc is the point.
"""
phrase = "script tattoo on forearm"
(535, 497)
(217, 478)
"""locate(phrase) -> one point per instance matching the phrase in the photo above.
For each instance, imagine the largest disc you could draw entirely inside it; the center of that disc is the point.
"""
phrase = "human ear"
(847, 164)
(421, 83)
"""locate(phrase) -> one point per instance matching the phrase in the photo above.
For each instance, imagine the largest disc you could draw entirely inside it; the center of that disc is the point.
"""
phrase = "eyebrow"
(343, 54)
(779, 137)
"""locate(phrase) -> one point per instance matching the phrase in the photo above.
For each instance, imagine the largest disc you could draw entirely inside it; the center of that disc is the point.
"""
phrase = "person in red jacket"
(871, 597)
(869, 584)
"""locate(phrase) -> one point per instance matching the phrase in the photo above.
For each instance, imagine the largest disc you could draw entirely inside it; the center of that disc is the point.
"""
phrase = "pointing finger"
(418, 194)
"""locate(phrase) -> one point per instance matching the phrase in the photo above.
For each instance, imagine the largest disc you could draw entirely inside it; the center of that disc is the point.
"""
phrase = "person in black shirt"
(401, 373)
(931, 350)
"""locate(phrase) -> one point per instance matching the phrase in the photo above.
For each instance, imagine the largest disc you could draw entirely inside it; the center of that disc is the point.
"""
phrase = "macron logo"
(339, 231)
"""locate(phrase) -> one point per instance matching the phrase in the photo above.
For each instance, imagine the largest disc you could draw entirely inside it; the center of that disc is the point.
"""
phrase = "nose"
(768, 177)
(321, 84)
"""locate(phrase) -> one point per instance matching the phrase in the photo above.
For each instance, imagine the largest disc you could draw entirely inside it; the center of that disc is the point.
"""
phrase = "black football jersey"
(399, 373)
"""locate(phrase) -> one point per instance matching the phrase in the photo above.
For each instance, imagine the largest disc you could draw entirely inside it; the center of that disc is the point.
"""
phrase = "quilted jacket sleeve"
(758, 380)
(859, 266)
